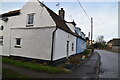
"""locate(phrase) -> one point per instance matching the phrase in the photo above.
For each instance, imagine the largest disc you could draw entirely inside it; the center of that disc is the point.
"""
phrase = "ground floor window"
(72, 46)
(18, 43)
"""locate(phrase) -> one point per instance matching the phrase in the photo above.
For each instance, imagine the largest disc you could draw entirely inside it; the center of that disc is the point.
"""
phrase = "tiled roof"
(10, 13)
(60, 23)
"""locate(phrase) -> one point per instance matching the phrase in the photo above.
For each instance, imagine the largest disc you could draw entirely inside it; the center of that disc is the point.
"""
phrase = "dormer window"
(30, 19)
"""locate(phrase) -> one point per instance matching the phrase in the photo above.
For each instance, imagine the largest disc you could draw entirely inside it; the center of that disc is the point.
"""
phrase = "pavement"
(89, 69)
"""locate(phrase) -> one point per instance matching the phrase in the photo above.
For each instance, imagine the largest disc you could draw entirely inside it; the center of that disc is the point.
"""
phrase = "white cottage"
(80, 37)
(37, 32)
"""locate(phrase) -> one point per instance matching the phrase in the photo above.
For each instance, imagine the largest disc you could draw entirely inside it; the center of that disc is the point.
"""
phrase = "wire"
(83, 9)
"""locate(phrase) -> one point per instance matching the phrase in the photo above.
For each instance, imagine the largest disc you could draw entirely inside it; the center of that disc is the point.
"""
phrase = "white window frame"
(28, 19)
(18, 45)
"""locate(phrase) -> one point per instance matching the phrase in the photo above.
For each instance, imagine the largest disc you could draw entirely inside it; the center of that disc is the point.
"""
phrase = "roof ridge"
(60, 23)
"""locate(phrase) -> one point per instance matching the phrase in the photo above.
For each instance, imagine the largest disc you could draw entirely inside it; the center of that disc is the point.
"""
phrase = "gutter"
(53, 39)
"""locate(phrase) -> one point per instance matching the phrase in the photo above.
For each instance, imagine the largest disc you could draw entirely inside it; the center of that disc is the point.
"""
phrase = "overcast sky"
(105, 14)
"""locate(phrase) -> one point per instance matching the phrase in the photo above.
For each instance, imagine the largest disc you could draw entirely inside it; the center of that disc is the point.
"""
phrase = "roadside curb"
(98, 65)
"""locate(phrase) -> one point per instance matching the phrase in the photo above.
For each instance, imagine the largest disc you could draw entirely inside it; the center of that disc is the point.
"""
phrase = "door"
(67, 49)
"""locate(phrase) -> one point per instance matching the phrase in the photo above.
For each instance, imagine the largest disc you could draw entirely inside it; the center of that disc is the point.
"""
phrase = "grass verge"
(6, 73)
(35, 66)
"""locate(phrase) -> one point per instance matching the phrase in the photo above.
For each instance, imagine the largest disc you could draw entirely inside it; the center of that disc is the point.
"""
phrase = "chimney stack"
(62, 13)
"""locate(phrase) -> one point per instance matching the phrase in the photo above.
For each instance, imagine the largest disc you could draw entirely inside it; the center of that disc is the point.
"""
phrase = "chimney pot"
(62, 13)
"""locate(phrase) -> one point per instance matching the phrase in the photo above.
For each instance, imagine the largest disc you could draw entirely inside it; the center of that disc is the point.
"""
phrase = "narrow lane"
(109, 64)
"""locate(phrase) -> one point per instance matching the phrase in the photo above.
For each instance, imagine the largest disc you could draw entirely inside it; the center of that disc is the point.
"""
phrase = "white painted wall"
(35, 43)
(0, 39)
(6, 35)
(41, 17)
(1, 23)
(60, 44)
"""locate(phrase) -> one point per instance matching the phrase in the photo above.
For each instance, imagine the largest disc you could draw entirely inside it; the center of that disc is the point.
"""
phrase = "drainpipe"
(53, 39)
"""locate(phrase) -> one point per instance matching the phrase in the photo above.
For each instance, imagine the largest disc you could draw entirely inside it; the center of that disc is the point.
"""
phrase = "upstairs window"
(30, 19)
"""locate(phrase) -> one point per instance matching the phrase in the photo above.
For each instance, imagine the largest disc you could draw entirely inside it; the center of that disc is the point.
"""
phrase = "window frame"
(28, 19)
(2, 27)
(18, 42)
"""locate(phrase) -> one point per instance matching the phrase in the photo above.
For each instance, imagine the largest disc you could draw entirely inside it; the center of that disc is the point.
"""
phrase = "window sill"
(17, 46)
(29, 25)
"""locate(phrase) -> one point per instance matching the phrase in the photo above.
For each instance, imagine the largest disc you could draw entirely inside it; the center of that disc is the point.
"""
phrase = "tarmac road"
(109, 64)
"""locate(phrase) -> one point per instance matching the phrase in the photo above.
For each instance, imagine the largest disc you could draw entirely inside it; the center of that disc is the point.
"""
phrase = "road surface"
(109, 64)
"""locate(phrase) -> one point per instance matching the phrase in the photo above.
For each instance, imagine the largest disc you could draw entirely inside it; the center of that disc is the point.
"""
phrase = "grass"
(6, 73)
(35, 66)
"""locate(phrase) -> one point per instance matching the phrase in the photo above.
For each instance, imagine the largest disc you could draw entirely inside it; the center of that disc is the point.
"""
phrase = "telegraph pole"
(91, 30)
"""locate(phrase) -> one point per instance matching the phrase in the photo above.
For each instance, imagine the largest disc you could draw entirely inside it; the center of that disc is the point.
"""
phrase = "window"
(2, 27)
(18, 43)
(30, 19)
(18, 40)
(1, 40)
(72, 46)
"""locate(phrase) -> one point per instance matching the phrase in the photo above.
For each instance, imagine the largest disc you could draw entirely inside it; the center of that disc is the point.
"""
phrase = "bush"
(88, 51)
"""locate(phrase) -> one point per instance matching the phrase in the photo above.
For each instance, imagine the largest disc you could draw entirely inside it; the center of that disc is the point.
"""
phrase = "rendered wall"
(60, 44)
(35, 43)
(41, 17)
(6, 35)
(81, 45)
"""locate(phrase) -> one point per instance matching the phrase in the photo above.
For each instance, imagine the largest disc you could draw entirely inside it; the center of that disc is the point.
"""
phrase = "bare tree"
(100, 42)
(100, 39)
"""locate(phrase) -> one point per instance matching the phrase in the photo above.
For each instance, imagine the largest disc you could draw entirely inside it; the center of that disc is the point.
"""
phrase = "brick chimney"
(62, 13)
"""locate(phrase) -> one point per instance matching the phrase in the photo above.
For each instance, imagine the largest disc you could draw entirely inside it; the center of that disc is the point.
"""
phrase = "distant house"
(114, 44)
(36, 32)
